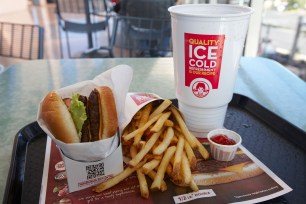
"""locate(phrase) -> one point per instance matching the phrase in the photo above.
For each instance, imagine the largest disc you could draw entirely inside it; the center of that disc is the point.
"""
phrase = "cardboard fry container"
(134, 102)
(90, 163)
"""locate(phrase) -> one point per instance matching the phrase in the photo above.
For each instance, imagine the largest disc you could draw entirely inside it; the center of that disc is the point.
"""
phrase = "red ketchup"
(223, 140)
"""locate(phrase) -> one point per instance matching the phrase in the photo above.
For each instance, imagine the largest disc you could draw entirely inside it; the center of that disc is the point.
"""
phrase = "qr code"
(94, 171)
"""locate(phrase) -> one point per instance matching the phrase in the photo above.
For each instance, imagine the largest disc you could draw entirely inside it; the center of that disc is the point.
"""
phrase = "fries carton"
(88, 164)
(134, 102)
(137, 100)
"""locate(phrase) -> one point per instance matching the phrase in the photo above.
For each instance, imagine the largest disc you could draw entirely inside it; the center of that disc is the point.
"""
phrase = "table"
(22, 86)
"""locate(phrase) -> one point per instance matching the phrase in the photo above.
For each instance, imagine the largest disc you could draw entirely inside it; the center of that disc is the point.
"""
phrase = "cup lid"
(211, 10)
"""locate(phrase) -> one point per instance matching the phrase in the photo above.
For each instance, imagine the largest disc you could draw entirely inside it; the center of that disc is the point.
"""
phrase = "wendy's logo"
(200, 89)
(140, 98)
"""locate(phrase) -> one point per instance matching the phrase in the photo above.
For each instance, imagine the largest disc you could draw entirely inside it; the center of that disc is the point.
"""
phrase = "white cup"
(208, 41)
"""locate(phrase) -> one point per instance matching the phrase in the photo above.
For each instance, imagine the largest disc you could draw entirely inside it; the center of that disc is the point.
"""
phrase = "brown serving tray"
(278, 144)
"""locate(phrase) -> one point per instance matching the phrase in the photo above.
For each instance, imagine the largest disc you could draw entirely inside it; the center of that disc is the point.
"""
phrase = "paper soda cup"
(208, 40)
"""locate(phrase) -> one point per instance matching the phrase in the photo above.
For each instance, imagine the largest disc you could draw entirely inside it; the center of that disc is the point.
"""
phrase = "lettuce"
(78, 112)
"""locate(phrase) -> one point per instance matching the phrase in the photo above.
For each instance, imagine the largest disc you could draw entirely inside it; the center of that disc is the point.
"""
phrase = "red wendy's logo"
(60, 166)
(203, 58)
(141, 98)
(200, 89)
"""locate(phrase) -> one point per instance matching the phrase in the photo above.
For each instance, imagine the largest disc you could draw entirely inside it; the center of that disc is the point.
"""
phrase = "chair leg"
(108, 34)
(111, 54)
(60, 40)
(68, 44)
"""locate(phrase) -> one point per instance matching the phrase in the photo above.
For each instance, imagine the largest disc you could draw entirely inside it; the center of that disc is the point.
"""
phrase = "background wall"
(8, 6)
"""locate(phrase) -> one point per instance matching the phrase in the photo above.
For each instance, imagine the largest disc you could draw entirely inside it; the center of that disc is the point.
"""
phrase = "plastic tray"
(277, 143)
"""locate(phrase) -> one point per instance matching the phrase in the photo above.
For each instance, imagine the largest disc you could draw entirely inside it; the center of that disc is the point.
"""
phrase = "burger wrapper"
(118, 79)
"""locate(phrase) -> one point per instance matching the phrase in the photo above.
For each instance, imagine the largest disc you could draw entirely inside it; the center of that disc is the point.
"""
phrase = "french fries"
(143, 185)
(117, 179)
(156, 185)
(142, 128)
(158, 143)
(165, 142)
(138, 157)
(188, 136)
(163, 106)
(145, 113)
(160, 122)
(203, 151)
(178, 158)
(151, 165)
(186, 171)
(163, 186)
(190, 155)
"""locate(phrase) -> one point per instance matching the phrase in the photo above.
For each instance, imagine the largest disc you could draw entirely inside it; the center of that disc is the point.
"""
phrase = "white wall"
(8, 6)
(252, 40)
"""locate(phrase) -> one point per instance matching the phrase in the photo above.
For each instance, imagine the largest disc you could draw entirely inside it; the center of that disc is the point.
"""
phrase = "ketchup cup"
(223, 144)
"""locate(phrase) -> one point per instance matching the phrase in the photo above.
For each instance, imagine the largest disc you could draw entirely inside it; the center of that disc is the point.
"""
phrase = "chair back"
(79, 6)
(142, 28)
(156, 9)
(70, 7)
(23, 41)
(131, 38)
(101, 7)
(82, 15)
(146, 8)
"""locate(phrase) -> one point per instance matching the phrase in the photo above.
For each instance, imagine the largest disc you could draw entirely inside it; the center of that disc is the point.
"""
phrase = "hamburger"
(212, 172)
(81, 118)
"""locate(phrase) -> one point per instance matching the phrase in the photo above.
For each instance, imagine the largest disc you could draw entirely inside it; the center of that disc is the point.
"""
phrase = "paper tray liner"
(262, 138)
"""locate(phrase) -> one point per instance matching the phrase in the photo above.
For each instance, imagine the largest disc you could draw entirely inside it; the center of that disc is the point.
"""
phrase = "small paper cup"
(224, 152)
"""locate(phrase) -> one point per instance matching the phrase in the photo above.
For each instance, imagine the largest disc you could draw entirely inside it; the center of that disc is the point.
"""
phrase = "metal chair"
(146, 8)
(82, 16)
(141, 37)
(21, 41)
(142, 29)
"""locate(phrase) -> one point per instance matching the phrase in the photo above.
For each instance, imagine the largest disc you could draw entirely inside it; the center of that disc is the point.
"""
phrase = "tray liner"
(275, 142)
